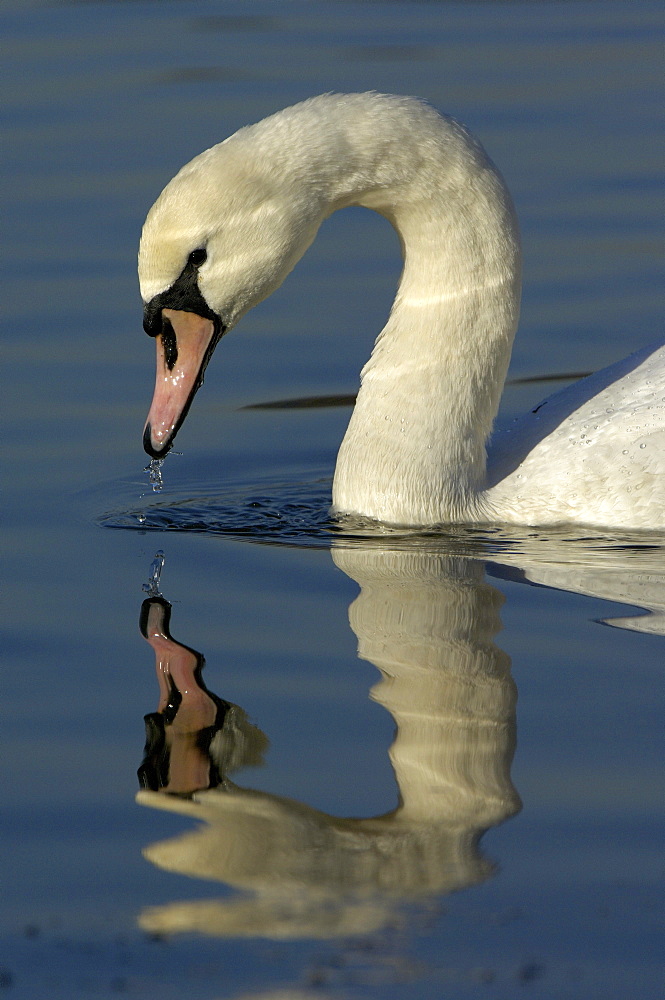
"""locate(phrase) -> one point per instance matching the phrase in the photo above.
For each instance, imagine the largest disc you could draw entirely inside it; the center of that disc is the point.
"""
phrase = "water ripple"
(292, 513)
(297, 513)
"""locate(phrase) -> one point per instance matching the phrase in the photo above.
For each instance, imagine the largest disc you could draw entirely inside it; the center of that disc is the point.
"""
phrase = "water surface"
(436, 758)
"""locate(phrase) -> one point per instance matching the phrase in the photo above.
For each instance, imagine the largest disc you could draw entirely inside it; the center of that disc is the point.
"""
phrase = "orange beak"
(184, 348)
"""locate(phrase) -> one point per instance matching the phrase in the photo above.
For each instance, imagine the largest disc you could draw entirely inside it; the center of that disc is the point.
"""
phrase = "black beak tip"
(148, 447)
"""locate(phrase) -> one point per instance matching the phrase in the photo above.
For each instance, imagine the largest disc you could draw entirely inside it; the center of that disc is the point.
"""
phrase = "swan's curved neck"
(414, 451)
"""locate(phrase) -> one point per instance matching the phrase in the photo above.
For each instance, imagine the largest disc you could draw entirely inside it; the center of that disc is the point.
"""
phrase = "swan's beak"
(184, 347)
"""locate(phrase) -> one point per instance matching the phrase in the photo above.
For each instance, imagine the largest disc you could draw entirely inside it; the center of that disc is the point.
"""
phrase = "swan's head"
(221, 237)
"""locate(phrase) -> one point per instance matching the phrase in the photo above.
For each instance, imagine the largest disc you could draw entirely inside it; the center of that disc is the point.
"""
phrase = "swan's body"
(231, 225)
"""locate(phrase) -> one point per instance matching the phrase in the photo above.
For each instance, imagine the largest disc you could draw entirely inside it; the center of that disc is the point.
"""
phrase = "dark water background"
(102, 103)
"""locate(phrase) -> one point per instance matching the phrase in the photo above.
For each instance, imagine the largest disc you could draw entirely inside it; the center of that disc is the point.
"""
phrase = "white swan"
(230, 226)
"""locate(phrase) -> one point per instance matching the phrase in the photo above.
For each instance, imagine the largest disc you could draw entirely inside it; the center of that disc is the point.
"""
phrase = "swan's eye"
(198, 257)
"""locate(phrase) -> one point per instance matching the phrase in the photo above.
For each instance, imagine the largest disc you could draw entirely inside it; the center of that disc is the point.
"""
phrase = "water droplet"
(154, 470)
(141, 518)
(152, 586)
(643, 445)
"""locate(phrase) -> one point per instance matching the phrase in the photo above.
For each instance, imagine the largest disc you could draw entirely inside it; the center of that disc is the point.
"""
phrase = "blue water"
(437, 758)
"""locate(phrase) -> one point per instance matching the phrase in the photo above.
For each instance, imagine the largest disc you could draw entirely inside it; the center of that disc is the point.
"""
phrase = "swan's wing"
(593, 453)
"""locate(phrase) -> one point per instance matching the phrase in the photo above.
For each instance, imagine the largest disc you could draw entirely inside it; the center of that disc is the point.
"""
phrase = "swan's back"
(593, 453)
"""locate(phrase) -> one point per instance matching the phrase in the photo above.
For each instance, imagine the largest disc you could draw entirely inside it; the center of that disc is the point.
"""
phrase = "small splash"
(154, 470)
(151, 588)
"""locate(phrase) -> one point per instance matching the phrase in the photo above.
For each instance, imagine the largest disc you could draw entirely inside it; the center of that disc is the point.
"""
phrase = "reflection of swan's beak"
(155, 617)
(195, 738)
(175, 760)
(184, 347)
(174, 660)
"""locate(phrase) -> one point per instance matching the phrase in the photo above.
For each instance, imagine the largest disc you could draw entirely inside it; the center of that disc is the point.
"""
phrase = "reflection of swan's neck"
(428, 623)
(414, 451)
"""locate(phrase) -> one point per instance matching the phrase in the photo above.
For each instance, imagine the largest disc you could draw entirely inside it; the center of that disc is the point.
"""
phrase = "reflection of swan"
(625, 570)
(231, 225)
(427, 621)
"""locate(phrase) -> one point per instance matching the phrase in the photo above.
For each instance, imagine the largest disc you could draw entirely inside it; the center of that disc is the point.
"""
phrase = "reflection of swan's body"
(624, 570)
(231, 225)
(427, 621)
